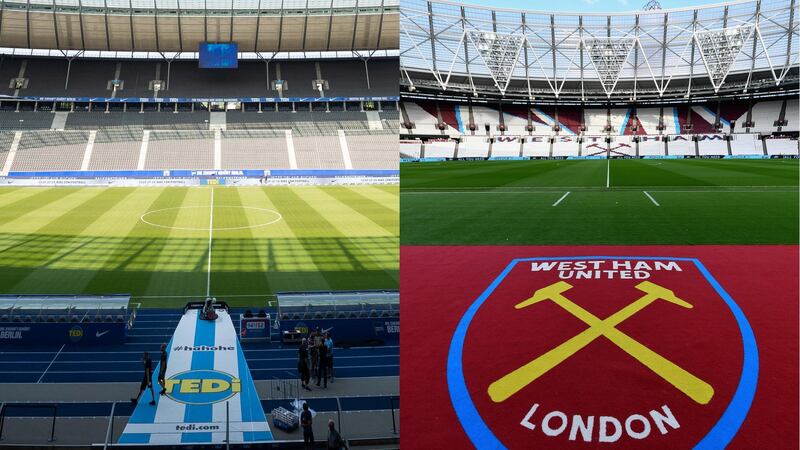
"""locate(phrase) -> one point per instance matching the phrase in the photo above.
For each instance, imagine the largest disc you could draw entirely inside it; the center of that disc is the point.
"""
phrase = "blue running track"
(122, 363)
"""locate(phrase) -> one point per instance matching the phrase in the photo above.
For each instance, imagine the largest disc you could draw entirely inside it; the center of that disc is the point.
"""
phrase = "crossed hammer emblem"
(697, 389)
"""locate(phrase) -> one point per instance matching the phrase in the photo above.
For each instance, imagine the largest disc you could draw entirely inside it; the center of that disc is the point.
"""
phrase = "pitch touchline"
(722, 189)
(562, 198)
(210, 237)
(651, 198)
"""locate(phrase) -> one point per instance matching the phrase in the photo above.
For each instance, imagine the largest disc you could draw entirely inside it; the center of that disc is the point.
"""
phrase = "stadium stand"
(440, 148)
(691, 130)
(596, 121)
(116, 149)
(84, 77)
(515, 119)
(50, 150)
(167, 149)
(374, 149)
(681, 145)
(623, 146)
(248, 140)
(410, 149)
(473, 147)
(566, 146)
(651, 146)
(536, 146)
(507, 146)
(781, 146)
(723, 94)
(254, 148)
(712, 145)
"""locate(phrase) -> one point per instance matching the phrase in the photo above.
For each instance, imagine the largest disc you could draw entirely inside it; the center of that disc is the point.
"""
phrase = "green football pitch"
(167, 245)
(582, 202)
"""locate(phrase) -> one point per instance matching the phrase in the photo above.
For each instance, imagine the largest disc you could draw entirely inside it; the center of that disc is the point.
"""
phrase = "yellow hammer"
(697, 389)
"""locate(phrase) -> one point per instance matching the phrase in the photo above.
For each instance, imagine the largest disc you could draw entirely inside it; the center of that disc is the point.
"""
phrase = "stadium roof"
(473, 49)
(180, 25)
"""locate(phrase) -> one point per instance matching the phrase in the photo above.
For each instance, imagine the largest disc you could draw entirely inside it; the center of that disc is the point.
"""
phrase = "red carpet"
(663, 375)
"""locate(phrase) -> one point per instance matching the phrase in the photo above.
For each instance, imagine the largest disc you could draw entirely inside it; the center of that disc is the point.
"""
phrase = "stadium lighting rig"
(650, 54)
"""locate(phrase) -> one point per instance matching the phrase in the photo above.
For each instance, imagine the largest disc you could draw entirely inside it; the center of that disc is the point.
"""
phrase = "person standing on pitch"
(307, 422)
(162, 369)
(147, 381)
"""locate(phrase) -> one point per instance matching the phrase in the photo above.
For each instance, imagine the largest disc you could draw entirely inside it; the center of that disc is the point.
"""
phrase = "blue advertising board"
(38, 333)
(205, 173)
(350, 331)
(254, 328)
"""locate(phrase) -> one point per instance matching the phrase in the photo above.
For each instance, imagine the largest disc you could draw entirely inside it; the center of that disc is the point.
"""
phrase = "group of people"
(315, 357)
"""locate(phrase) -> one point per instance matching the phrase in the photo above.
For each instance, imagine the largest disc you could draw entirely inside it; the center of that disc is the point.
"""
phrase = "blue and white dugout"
(206, 370)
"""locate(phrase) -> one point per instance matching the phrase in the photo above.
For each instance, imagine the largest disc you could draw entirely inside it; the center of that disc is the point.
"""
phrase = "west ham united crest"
(632, 352)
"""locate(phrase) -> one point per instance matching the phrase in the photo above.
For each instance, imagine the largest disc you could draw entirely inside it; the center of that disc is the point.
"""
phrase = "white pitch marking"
(210, 238)
(608, 172)
(562, 198)
(51, 363)
(258, 225)
(651, 198)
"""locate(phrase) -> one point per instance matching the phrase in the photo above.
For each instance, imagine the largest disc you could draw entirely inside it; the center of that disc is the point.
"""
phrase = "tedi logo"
(636, 352)
(201, 387)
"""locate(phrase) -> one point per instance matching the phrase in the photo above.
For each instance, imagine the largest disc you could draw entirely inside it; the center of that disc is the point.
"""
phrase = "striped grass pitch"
(262, 240)
(584, 202)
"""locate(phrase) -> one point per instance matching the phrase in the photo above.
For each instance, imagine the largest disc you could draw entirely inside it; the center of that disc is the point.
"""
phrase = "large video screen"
(219, 55)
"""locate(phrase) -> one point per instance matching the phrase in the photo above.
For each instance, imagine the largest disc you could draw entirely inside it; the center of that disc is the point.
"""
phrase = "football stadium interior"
(683, 105)
(540, 151)
(154, 155)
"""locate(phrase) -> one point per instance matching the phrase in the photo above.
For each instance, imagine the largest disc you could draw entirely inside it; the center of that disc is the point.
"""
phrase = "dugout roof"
(180, 25)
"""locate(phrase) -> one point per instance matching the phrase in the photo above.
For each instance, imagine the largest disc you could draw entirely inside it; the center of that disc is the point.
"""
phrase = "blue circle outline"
(720, 434)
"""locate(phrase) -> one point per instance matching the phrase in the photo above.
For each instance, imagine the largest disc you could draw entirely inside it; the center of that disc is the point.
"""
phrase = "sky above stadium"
(587, 5)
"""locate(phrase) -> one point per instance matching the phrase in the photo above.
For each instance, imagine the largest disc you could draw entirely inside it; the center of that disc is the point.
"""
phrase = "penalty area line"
(562, 198)
(651, 198)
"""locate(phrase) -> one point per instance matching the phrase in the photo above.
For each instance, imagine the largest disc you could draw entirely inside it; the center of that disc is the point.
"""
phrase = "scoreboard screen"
(219, 55)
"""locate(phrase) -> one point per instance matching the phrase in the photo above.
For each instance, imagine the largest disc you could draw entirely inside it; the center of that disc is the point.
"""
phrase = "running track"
(122, 363)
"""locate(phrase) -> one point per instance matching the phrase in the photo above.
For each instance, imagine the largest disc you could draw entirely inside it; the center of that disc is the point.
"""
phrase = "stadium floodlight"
(608, 55)
(652, 5)
(719, 49)
(499, 53)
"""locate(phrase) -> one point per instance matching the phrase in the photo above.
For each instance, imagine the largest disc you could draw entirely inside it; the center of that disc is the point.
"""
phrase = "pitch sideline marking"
(562, 198)
(51, 363)
(651, 198)
(210, 238)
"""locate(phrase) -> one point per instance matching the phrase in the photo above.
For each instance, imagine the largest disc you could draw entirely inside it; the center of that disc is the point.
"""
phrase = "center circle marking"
(144, 218)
